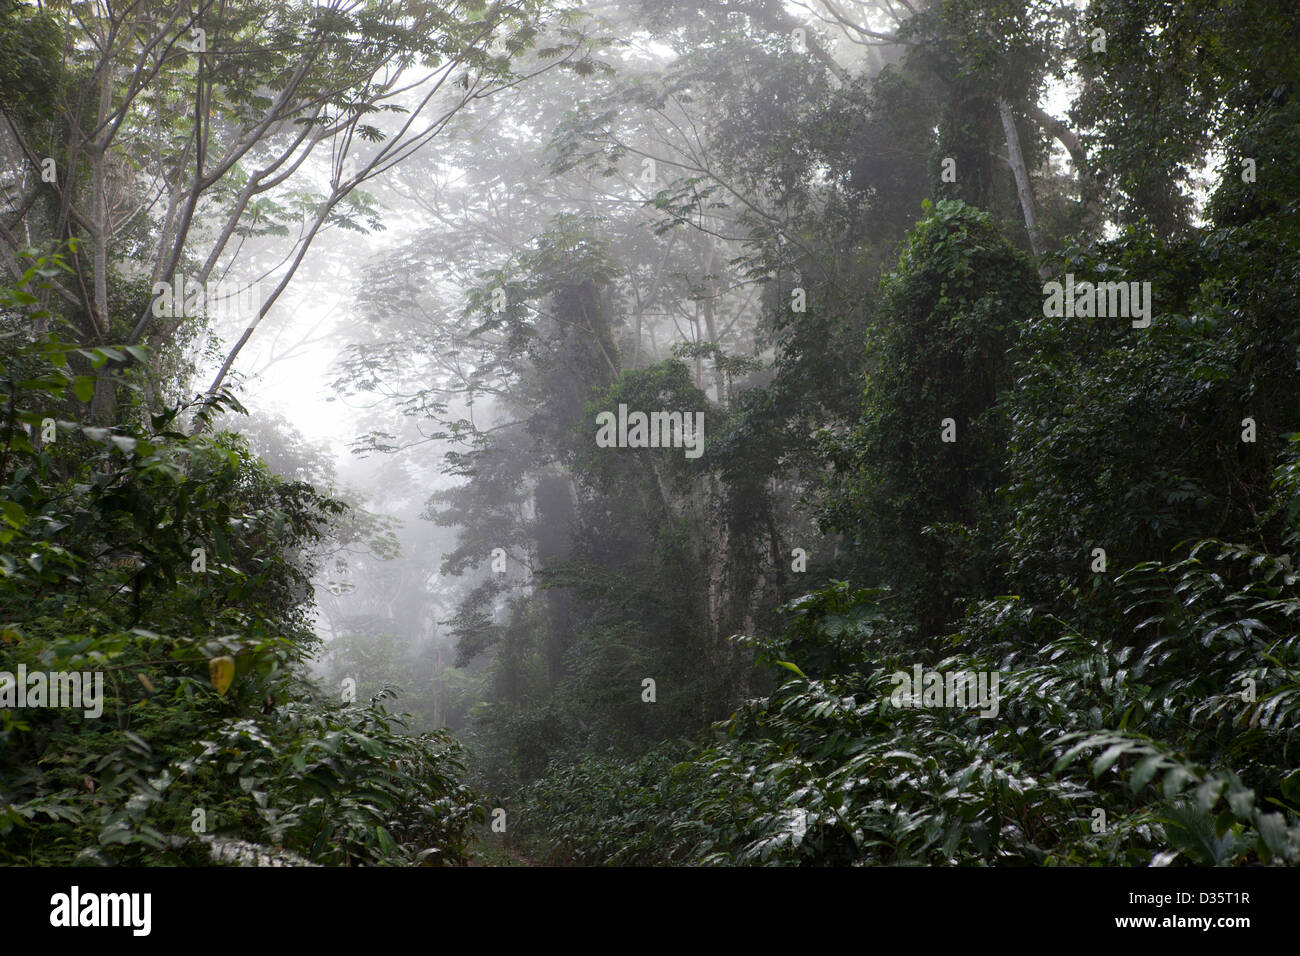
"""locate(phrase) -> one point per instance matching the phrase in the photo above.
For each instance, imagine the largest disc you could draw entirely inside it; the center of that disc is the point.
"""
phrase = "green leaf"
(1291, 786)
(1107, 759)
(386, 842)
(83, 386)
(1146, 769)
(13, 513)
(1242, 804)
(1273, 834)
(791, 667)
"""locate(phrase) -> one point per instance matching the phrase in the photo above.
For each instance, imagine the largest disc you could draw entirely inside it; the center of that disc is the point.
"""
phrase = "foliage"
(827, 771)
(175, 567)
(938, 361)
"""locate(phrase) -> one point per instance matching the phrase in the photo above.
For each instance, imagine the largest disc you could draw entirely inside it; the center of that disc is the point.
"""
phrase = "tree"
(223, 114)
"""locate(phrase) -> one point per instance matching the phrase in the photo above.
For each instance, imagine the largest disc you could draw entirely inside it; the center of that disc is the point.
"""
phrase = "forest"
(649, 433)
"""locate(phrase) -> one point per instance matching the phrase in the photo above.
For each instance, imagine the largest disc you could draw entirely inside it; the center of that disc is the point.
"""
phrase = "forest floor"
(484, 853)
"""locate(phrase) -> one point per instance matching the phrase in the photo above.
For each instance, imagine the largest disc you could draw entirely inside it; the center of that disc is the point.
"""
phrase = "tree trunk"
(711, 326)
(1023, 188)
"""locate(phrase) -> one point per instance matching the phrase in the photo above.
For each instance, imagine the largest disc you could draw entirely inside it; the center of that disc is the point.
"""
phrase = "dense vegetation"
(833, 231)
(146, 149)
(209, 745)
